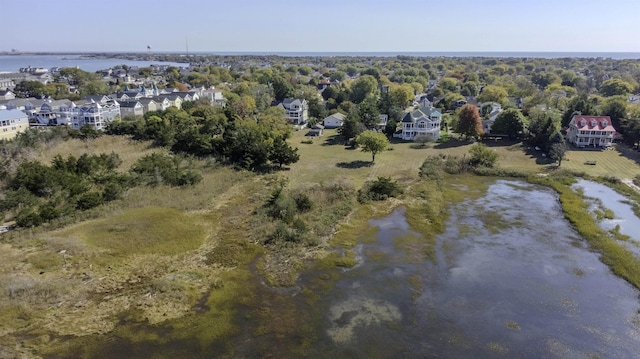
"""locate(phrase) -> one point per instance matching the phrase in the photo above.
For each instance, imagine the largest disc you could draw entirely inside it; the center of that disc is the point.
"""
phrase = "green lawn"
(621, 163)
(327, 159)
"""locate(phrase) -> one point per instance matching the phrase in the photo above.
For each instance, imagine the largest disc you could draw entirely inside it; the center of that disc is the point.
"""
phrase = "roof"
(11, 114)
(128, 104)
(599, 123)
(421, 113)
(289, 102)
(339, 116)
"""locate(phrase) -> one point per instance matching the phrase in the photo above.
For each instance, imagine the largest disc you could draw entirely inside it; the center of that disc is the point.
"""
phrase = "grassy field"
(328, 159)
(621, 163)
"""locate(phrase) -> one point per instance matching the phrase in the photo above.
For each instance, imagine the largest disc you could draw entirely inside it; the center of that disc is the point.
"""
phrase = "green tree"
(368, 113)
(372, 141)
(557, 152)
(351, 127)
(30, 89)
(401, 95)
(469, 122)
(510, 122)
(615, 87)
(281, 88)
(363, 87)
(282, 153)
(493, 93)
(616, 109)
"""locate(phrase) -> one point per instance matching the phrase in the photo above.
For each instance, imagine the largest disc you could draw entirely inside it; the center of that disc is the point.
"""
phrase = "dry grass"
(152, 230)
(128, 150)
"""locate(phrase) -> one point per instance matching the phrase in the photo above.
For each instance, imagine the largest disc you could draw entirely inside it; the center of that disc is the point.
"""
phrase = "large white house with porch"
(423, 121)
(591, 131)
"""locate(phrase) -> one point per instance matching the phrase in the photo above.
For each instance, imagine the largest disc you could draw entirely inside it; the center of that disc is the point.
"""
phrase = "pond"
(508, 278)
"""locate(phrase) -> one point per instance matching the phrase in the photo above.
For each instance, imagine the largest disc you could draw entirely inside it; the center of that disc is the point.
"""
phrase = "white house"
(214, 95)
(296, 110)
(334, 121)
(12, 122)
(423, 121)
(591, 131)
(94, 114)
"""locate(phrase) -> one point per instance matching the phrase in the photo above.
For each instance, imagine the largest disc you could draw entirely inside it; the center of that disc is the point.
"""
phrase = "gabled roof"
(287, 103)
(130, 104)
(337, 115)
(11, 114)
(421, 113)
(146, 101)
(592, 123)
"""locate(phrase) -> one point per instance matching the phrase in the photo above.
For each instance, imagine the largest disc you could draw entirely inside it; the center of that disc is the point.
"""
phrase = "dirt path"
(630, 183)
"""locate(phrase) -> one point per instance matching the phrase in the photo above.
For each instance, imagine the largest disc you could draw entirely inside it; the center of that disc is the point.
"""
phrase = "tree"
(369, 114)
(30, 89)
(557, 151)
(510, 122)
(282, 153)
(362, 88)
(493, 93)
(401, 95)
(469, 122)
(616, 109)
(372, 141)
(281, 88)
(614, 87)
(351, 127)
(542, 125)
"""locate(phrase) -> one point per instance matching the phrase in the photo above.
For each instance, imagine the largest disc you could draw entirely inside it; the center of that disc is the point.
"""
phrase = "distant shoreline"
(451, 54)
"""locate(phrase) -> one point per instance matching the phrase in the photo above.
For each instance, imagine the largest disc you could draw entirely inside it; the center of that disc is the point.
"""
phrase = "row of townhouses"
(97, 111)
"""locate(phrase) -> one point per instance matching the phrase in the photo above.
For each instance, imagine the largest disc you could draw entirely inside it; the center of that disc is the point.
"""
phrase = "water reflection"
(512, 279)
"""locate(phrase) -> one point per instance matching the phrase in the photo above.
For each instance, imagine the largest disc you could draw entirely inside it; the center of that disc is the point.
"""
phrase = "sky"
(320, 26)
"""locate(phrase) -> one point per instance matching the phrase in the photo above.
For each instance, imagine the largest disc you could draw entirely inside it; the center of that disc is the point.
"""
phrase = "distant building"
(334, 121)
(12, 122)
(96, 114)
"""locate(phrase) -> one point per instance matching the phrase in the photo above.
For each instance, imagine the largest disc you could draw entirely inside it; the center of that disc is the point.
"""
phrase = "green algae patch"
(343, 260)
(417, 249)
(148, 230)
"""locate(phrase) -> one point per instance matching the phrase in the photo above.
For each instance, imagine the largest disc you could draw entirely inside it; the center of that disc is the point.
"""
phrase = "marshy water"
(508, 278)
(626, 222)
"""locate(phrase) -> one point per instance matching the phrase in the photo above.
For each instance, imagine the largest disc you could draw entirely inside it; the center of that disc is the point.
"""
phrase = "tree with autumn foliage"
(469, 122)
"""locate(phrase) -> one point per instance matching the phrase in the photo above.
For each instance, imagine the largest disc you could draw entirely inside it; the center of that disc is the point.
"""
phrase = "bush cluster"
(379, 189)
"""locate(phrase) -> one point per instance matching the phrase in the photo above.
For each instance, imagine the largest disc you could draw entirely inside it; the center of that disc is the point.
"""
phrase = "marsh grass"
(621, 261)
(148, 230)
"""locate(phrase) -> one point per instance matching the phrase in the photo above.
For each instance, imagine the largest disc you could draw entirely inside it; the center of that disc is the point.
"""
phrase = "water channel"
(509, 278)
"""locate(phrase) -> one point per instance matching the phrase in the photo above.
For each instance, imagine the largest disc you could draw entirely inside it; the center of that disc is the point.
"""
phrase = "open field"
(328, 159)
(622, 163)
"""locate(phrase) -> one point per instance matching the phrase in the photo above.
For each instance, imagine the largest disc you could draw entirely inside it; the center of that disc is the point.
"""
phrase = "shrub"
(379, 190)
(89, 200)
(303, 202)
(483, 156)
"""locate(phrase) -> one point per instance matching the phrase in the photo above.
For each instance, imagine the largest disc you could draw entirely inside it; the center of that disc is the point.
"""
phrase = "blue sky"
(321, 26)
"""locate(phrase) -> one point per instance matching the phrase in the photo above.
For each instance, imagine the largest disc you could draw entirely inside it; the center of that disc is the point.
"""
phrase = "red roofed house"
(591, 131)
